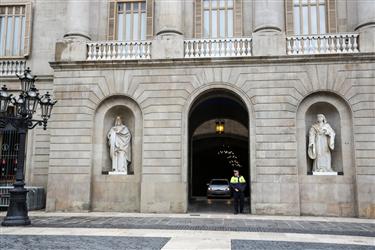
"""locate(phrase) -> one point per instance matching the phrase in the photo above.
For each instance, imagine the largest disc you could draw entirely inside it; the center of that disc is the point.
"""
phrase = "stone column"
(168, 42)
(73, 46)
(168, 17)
(78, 19)
(366, 25)
(269, 28)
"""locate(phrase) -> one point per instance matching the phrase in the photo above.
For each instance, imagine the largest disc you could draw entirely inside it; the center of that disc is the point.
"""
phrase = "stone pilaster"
(168, 42)
(269, 28)
(366, 25)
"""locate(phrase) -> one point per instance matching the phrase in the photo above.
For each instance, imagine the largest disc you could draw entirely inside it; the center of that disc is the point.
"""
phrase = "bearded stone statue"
(321, 143)
(119, 141)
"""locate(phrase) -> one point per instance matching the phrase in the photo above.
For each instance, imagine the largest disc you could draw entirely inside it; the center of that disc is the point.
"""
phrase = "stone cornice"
(214, 62)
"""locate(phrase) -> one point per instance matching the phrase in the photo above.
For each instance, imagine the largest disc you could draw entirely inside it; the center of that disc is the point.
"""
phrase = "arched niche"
(116, 192)
(327, 195)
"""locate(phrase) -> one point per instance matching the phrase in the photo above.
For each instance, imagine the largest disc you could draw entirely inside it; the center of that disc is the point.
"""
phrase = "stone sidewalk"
(187, 231)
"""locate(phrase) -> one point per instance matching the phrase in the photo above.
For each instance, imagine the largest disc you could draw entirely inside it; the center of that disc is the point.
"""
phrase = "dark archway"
(212, 155)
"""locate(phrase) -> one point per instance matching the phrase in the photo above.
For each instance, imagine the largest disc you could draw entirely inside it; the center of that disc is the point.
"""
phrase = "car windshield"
(219, 182)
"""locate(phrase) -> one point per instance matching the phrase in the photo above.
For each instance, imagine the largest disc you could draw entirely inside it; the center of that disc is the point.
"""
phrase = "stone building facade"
(281, 62)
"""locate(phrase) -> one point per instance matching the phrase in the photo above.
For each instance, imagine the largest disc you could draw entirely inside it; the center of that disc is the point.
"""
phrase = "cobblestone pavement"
(27, 242)
(195, 231)
(280, 245)
(211, 224)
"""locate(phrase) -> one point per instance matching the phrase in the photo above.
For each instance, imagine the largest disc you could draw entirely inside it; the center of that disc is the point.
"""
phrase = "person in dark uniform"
(238, 185)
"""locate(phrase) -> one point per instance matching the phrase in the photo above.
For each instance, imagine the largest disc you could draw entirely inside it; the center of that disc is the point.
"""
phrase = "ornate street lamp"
(22, 120)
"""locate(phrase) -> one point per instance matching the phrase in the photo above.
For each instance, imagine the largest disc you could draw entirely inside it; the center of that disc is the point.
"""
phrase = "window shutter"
(150, 18)
(237, 18)
(28, 26)
(289, 23)
(331, 21)
(198, 18)
(111, 20)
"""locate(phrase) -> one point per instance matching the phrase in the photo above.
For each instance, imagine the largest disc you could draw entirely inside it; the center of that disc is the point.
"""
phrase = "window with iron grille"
(9, 143)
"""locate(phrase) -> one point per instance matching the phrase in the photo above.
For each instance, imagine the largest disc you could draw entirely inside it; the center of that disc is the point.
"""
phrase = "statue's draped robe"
(321, 142)
(119, 138)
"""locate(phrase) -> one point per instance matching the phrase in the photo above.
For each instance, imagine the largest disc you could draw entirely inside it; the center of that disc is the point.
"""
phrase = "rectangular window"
(131, 21)
(218, 18)
(309, 17)
(13, 31)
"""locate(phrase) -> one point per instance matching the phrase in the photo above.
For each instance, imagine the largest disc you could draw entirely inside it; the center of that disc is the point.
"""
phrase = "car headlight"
(209, 189)
(227, 189)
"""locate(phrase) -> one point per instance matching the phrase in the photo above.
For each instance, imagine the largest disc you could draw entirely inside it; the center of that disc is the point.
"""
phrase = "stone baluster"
(187, 50)
(289, 45)
(350, 43)
(100, 52)
(355, 43)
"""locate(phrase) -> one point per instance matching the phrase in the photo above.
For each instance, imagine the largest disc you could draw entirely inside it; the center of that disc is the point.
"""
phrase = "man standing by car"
(238, 185)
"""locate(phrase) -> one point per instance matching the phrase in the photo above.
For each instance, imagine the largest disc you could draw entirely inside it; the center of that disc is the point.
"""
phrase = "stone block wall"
(273, 92)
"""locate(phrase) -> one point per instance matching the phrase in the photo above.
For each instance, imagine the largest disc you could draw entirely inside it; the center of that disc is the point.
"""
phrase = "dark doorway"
(214, 155)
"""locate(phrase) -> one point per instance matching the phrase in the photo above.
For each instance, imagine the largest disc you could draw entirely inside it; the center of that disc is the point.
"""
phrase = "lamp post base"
(17, 211)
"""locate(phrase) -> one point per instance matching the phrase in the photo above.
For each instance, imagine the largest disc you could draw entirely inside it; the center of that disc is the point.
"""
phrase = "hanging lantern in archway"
(219, 127)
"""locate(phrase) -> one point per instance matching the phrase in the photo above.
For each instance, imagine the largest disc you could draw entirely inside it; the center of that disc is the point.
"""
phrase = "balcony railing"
(116, 50)
(228, 47)
(12, 67)
(322, 44)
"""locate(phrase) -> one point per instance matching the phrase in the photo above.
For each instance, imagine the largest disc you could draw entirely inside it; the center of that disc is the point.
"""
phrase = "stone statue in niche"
(321, 143)
(119, 141)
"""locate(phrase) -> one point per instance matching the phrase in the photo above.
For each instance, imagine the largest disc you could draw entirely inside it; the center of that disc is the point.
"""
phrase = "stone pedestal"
(167, 47)
(269, 44)
(325, 173)
(71, 50)
(117, 173)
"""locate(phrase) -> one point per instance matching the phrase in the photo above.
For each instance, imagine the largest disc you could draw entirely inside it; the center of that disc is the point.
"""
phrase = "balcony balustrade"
(117, 50)
(228, 47)
(322, 44)
(208, 48)
(12, 67)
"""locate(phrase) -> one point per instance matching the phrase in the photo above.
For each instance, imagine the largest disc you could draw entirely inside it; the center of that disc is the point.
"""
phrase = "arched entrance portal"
(213, 154)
